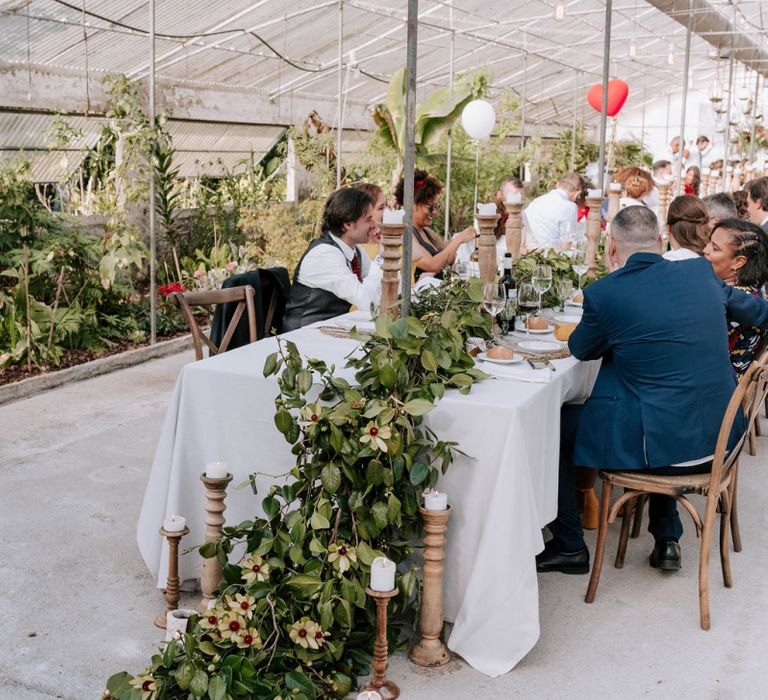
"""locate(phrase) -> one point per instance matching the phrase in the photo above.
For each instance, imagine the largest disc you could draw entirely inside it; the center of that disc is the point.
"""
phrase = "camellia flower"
(309, 415)
(342, 556)
(254, 569)
(231, 626)
(212, 618)
(242, 604)
(146, 684)
(249, 638)
(231, 265)
(199, 273)
(375, 436)
(307, 634)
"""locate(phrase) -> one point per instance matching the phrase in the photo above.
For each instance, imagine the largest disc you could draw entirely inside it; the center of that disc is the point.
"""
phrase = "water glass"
(542, 280)
(564, 289)
(528, 301)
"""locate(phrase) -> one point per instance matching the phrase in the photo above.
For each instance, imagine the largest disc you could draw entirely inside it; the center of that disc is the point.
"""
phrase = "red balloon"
(618, 91)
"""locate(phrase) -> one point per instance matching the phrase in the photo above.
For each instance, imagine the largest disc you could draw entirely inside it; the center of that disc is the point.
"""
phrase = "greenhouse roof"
(270, 62)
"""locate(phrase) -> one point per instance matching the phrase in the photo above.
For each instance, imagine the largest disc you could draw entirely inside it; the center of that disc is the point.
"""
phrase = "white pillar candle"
(594, 193)
(615, 187)
(393, 216)
(369, 695)
(176, 623)
(434, 500)
(514, 198)
(216, 470)
(382, 574)
(705, 171)
(486, 209)
(174, 523)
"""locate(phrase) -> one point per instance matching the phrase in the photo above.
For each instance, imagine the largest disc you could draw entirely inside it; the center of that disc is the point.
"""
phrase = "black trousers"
(664, 521)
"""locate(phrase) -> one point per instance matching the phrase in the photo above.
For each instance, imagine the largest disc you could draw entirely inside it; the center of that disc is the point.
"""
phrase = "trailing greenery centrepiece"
(292, 618)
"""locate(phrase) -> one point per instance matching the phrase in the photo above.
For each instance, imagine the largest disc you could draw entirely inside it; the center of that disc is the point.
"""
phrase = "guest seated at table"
(547, 216)
(688, 228)
(430, 251)
(662, 172)
(757, 201)
(720, 207)
(379, 204)
(636, 184)
(510, 186)
(334, 273)
(738, 252)
(692, 181)
(663, 384)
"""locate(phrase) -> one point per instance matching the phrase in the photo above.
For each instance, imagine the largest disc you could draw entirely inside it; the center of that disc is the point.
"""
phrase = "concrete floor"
(79, 604)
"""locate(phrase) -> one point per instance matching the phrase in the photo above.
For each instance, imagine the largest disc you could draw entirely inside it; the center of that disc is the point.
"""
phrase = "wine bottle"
(510, 289)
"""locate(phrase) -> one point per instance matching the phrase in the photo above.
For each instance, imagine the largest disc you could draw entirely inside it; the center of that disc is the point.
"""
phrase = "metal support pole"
(604, 106)
(340, 125)
(522, 111)
(642, 131)
(449, 154)
(410, 160)
(687, 63)
(573, 127)
(152, 242)
(727, 146)
(669, 108)
(754, 123)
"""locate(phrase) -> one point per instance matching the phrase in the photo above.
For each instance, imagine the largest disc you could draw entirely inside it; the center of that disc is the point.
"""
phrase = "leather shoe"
(665, 556)
(552, 559)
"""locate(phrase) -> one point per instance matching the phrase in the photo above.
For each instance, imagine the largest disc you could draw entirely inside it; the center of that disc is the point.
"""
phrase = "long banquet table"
(222, 409)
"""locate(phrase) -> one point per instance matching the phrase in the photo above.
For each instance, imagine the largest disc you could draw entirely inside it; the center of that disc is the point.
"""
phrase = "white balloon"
(478, 119)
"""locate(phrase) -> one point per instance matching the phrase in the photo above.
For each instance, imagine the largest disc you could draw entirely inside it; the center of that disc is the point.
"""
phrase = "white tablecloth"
(222, 410)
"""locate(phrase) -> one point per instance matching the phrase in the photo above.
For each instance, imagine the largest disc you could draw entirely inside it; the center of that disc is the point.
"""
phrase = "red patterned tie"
(355, 264)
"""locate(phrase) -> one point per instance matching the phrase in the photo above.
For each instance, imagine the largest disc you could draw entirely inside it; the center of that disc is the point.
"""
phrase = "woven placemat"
(546, 354)
(334, 331)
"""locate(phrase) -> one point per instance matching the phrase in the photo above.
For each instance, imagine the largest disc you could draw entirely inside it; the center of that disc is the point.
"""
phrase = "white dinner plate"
(539, 345)
(567, 319)
(498, 361)
(578, 304)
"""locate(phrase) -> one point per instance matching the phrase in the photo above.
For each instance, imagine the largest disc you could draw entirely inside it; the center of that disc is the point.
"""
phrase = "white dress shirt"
(543, 216)
(326, 267)
(680, 254)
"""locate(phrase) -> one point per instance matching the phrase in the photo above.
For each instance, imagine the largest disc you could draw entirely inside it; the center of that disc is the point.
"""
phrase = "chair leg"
(639, 507)
(602, 533)
(725, 563)
(624, 536)
(752, 441)
(735, 530)
(706, 545)
(758, 429)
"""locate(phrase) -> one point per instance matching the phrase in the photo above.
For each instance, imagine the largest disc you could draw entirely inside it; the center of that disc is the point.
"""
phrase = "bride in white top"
(688, 228)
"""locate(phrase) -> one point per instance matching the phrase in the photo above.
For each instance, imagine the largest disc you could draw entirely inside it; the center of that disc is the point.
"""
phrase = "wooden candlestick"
(215, 493)
(430, 650)
(704, 184)
(486, 242)
(593, 234)
(665, 192)
(386, 688)
(172, 582)
(614, 203)
(392, 239)
(513, 229)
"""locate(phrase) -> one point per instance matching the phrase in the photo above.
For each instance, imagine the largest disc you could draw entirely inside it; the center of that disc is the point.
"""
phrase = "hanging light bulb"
(560, 12)
(671, 56)
(632, 50)
(716, 92)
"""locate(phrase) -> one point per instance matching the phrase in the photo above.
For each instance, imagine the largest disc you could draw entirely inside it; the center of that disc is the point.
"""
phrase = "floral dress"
(743, 340)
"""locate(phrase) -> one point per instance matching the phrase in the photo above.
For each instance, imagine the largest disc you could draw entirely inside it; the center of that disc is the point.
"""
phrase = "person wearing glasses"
(433, 252)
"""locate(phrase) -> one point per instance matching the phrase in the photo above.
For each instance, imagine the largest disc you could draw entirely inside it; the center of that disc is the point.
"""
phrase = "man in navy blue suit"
(659, 328)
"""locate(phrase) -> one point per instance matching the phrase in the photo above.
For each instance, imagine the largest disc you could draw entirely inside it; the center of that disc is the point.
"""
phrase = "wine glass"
(564, 289)
(462, 269)
(579, 264)
(494, 299)
(528, 301)
(541, 280)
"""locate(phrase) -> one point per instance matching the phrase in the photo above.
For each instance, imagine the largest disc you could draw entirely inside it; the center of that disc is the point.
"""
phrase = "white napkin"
(359, 319)
(520, 372)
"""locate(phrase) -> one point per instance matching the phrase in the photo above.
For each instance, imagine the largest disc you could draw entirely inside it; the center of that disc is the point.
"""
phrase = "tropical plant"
(167, 197)
(292, 618)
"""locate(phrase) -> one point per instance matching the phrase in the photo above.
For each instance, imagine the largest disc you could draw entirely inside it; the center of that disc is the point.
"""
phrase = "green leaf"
(217, 688)
(304, 380)
(326, 615)
(305, 584)
(428, 361)
(169, 653)
(283, 421)
(295, 680)
(366, 553)
(343, 613)
(393, 508)
(207, 648)
(316, 546)
(379, 512)
(199, 684)
(419, 472)
(418, 407)
(271, 507)
(388, 376)
(186, 671)
(270, 366)
(209, 550)
(319, 521)
(119, 683)
(330, 478)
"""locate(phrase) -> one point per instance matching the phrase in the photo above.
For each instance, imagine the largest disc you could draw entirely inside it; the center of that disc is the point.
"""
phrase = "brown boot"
(590, 508)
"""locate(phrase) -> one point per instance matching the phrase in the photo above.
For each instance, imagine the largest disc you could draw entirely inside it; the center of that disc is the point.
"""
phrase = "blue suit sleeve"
(588, 341)
(744, 308)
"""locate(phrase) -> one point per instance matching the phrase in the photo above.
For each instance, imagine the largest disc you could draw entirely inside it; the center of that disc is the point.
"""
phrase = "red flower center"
(374, 432)
(302, 633)
(256, 568)
(146, 685)
(244, 605)
(234, 625)
(313, 418)
(343, 551)
(248, 639)
(212, 619)
(318, 635)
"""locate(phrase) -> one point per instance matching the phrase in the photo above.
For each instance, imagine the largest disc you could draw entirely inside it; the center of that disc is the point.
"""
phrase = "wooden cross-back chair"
(243, 296)
(718, 487)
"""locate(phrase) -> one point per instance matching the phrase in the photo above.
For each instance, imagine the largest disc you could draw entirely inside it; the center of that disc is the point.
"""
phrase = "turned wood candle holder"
(513, 229)
(665, 194)
(704, 184)
(593, 234)
(486, 251)
(215, 493)
(430, 650)
(386, 688)
(392, 240)
(172, 582)
(614, 202)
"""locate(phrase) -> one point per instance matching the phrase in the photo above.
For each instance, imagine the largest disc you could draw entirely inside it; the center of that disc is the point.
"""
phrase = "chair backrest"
(243, 296)
(744, 404)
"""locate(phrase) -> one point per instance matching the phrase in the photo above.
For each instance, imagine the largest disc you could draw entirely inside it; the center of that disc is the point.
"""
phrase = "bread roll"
(536, 323)
(578, 298)
(499, 352)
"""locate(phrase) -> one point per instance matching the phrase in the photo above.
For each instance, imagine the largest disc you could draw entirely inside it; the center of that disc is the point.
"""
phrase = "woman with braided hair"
(688, 228)
(738, 252)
